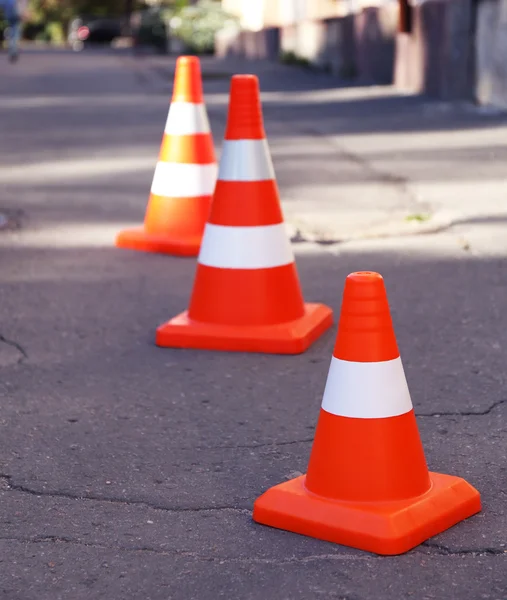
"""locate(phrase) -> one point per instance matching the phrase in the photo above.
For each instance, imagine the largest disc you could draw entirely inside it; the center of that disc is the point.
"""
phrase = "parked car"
(87, 31)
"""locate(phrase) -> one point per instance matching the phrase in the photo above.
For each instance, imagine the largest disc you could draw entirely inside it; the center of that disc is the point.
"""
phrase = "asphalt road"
(128, 471)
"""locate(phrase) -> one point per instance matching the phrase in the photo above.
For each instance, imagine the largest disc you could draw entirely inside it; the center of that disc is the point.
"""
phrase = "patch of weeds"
(418, 217)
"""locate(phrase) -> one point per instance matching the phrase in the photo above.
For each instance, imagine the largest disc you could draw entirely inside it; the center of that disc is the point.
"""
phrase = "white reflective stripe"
(245, 247)
(246, 160)
(366, 390)
(180, 180)
(185, 118)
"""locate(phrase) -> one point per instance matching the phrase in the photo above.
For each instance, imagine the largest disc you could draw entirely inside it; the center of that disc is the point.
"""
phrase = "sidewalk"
(358, 162)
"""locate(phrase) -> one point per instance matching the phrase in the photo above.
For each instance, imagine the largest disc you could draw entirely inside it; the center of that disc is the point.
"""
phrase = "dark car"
(86, 31)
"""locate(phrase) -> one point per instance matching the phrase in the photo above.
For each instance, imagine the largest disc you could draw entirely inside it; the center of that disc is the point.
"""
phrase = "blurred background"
(165, 26)
(451, 49)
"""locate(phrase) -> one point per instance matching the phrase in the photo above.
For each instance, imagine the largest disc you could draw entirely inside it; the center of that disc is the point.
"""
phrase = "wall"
(354, 42)
(375, 34)
(436, 58)
(491, 53)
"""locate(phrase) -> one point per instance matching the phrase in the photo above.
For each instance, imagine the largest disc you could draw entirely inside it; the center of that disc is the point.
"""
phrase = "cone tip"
(187, 60)
(245, 114)
(187, 80)
(245, 81)
(364, 285)
(365, 330)
(365, 277)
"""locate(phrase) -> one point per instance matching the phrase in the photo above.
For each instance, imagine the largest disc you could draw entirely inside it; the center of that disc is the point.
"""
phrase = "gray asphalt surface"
(128, 471)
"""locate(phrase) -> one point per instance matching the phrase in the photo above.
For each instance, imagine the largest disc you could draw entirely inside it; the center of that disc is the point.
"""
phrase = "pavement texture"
(128, 471)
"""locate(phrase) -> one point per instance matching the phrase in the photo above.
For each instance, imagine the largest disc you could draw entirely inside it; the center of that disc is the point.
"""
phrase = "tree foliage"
(64, 10)
(196, 23)
(67, 9)
(48, 19)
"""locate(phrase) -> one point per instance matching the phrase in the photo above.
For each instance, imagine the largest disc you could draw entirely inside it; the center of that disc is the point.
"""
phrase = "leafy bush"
(55, 33)
(197, 25)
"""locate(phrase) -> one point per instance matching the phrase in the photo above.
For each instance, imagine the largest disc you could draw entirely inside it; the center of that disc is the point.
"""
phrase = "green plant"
(55, 33)
(420, 218)
(196, 26)
(48, 19)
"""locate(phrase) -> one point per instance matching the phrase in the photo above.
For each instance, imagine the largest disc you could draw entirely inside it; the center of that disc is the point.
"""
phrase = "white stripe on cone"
(245, 160)
(245, 247)
(186, 118)
(181, 180)
(366, 390)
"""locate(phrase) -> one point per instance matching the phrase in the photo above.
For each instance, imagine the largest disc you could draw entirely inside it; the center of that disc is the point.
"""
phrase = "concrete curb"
(300, 232)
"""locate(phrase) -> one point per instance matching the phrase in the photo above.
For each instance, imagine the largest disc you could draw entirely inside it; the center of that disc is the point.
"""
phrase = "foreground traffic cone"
(367, 484)
(185, 174)
(246, 294)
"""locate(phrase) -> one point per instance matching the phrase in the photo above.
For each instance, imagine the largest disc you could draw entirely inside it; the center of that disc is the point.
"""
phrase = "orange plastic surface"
(141, 240)
(381, 527)
(292, 337)
(193, 149)
(176, 225)
(367, 460)
(246, 310)
(187, 80)
(171, 226)
(259, 204)
(177, 217)
(246, 297)
(368, 484)
(365, 330)
(244, 120)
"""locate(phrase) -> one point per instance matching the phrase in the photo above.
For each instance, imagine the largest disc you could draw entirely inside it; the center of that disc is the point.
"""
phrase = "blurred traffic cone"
(246, 295)
(185, 174)
(367, 484)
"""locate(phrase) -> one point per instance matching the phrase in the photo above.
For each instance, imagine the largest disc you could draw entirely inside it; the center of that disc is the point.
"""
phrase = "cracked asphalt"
(128, 471)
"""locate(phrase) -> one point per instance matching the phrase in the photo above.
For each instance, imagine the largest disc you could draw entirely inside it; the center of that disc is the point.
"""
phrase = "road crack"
(436, 414)
(56, 539)
(15, 345)
(114, 500)
(445, 551)
(463, 413)
(247, 446)
(438, 549)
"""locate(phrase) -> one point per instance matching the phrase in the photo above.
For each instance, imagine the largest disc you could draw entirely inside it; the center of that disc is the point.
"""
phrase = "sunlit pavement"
(128, 471)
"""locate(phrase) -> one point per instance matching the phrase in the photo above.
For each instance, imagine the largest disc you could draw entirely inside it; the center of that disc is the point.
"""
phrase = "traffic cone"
(246, 294)
(367, 484)
(185, 174)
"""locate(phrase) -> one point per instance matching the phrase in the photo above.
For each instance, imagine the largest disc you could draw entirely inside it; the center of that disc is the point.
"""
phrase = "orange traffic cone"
(246, 294)
(367, 484)
(185, 174)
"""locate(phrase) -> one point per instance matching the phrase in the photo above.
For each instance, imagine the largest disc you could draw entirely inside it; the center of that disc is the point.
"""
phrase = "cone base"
(383, 528)
(293, 337)
(141, 240)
